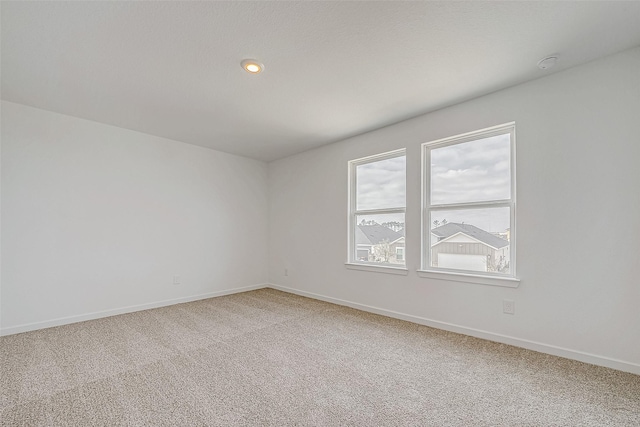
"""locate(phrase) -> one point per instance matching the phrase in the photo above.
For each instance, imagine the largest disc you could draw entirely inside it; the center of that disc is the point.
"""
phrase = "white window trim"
(476, 279)
(352, 262)
(377, 268)
(508, 280)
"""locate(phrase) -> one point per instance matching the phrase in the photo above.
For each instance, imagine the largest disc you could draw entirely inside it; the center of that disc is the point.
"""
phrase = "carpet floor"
(269, 358)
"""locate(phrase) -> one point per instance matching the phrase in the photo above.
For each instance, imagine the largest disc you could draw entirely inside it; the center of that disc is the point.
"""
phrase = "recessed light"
(252, 66)
(548, 62)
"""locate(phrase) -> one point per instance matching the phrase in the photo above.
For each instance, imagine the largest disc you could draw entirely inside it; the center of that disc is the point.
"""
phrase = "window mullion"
(380, 211)
(476, 205)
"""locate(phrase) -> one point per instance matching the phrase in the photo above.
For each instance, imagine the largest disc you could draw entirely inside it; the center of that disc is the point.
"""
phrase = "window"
(469, 203)
(377, 201)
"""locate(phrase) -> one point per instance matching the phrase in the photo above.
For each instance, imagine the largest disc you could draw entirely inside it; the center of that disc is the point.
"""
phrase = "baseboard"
(593, 359)
(129, 309)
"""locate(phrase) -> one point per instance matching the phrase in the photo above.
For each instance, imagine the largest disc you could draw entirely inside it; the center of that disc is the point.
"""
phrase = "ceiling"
(332, 69)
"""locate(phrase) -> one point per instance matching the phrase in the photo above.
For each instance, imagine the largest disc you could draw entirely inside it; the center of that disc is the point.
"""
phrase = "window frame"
(468, 276)
(353, 212)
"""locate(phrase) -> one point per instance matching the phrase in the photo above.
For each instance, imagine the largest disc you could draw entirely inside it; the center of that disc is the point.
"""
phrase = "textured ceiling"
(332, 69)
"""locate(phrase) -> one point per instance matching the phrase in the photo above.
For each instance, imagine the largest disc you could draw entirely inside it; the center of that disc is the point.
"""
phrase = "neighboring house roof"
(452, 228)
(375, 234)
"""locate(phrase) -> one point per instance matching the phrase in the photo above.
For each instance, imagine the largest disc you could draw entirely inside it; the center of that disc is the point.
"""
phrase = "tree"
(436, 223)
(444, 221)
(393, 225)
(382, 251)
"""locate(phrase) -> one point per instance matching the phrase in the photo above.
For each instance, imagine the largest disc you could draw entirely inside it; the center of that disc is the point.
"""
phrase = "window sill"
(377, 268)
(508, 282)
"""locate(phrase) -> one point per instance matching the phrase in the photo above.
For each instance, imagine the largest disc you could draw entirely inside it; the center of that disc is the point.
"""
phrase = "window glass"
(381, 184)
(473, 171)
(377, 209)
(469, 203)
(378, 237)
(471, 239)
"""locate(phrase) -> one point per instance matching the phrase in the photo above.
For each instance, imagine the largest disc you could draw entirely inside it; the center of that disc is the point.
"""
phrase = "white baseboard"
(593, 359)
(113, 312)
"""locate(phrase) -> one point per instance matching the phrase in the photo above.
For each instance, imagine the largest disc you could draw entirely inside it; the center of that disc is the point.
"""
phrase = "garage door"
(463, 262)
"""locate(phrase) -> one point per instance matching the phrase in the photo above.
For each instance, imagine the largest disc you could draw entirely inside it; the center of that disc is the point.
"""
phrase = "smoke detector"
(548, 62)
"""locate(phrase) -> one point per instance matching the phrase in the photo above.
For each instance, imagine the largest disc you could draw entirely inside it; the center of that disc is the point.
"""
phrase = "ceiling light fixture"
(548, 62)
(252, 66)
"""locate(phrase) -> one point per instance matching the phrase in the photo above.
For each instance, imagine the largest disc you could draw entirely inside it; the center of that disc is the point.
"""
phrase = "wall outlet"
(286, 271)
(508, 306)
(176, 280)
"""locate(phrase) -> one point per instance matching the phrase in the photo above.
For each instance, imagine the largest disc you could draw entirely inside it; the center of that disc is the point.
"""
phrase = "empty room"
(315, 213)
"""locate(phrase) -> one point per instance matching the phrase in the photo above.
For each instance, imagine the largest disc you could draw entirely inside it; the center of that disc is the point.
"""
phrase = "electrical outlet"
(286, 271)
(508, 306)
(176, 280)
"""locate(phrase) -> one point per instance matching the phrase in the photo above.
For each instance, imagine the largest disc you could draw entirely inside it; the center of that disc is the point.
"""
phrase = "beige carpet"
(268, 358)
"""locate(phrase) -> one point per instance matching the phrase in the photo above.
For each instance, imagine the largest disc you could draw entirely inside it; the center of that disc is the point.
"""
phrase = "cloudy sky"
(381, 184)
(492, 220)
(470, 172)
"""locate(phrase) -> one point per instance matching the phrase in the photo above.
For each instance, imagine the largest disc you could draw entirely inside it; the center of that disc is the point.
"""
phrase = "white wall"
(578, 179)
(96, 219)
